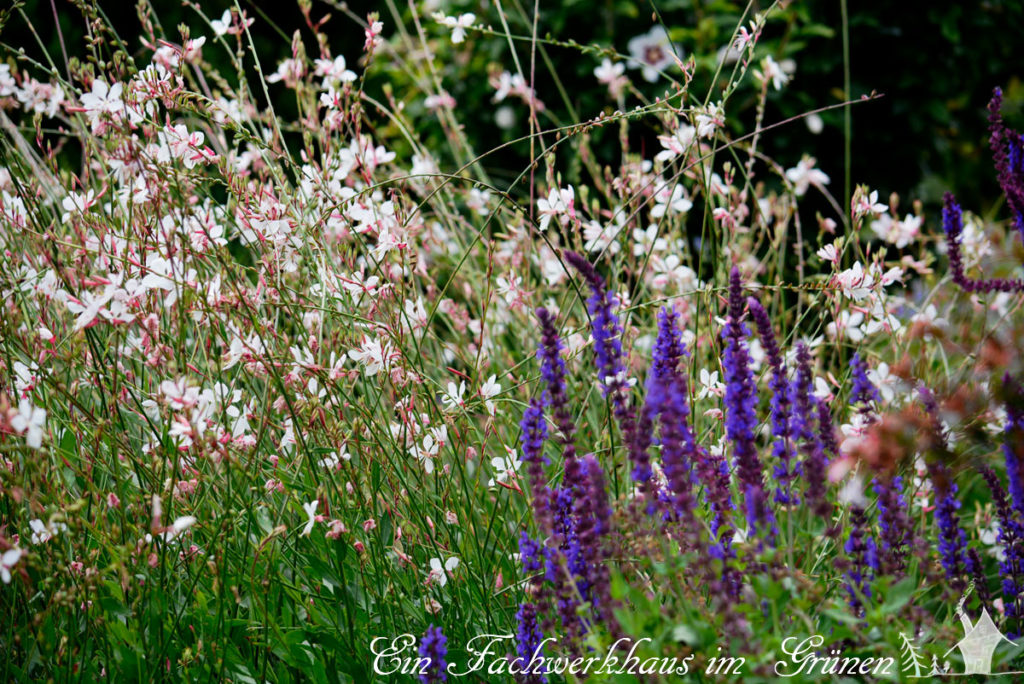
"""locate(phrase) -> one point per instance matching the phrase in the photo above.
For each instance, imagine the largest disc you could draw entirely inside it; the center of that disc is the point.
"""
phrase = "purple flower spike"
(669, 349)
(740, 413)
(860, 550)
(534, 432)
(678, 453)
(784, 472)
(607, 334)
(895, 525)
(605, 328)
(1006, 155)
(529, 639)
(552, 369)
(805, 416)
(593, 514)
(863, 392)
(827, 432)
(433, 647)
(1008, 158)
(952, 538)
(952, 224)
(1011, 539)
(1013, 442)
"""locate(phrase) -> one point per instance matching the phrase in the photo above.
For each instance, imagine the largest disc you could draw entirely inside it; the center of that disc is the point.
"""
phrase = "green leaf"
(899, 595)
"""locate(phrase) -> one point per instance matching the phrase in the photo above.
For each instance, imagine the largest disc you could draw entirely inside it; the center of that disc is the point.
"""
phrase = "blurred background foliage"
(935, 62)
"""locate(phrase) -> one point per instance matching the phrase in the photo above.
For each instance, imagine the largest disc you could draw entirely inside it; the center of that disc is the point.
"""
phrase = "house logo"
(979, 642)
(977, 648)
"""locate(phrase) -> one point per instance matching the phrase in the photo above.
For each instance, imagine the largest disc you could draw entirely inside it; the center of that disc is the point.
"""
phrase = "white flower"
(289, 71)
(609, 70)
(310, 509)
(489, 390)
(431, 447)
(558, 203)
(599, 238)
(76, 204)
(373, 354)
(670, 198)
(189, 147)
(652, 52)
(611, 74)
(8, 86)
(771, 71)
(505, 467)
(645, 240)
(334, 71)
(804, 175)
(881, 319)
(672, 271)
(829, 253)
(822, 390)
(884, 381)
(29, 420)
(453, 398)
(457, 25)
(898, 233)
(221, 26)
(815, 124)
(509, 288)
(180, 525)
(505, 117)
(855, 283)
(852, 493)
(865, 203)
(989, 536)
(848, 324)
(180, 395)
(709, 384)
(439, 573)
(7, 563)
(103, 99)
(676, 144)
(621, 379)
(708, 120)
(929, 317)
(40, 533)
(974, 242)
